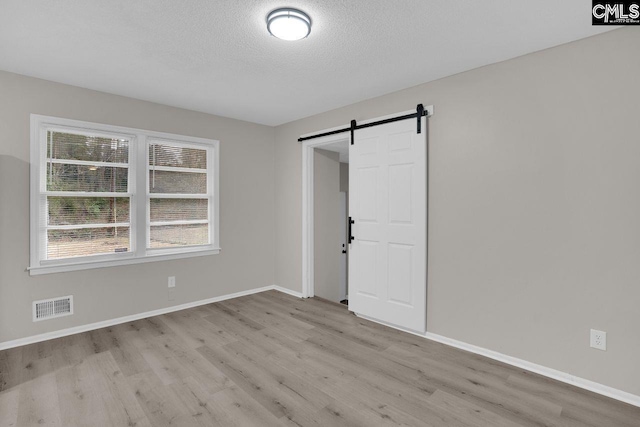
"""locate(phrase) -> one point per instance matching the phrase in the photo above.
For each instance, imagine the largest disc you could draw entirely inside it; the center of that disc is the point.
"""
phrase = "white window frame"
(138, 191)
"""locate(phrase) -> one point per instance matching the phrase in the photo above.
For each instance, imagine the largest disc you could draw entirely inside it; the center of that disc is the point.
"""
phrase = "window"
(178, 198)
(105, 195)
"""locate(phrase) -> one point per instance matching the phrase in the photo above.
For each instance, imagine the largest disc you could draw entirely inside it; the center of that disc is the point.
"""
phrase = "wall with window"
(246, 173)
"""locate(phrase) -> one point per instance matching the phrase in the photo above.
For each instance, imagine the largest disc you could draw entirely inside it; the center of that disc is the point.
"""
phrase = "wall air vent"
(50, 308)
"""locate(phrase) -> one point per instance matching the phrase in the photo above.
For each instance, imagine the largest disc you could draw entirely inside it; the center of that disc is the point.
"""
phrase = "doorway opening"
(325, 215)
(330, 206)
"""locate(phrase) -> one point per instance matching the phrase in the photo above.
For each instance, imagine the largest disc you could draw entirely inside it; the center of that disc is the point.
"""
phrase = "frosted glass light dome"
(289, 24)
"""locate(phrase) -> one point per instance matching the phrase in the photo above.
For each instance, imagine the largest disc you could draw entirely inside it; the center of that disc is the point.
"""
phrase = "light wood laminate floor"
(274, 360)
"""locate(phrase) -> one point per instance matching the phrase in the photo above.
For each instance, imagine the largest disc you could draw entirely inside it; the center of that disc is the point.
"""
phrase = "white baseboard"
(111, 322)
(564, 377)
(288, 291)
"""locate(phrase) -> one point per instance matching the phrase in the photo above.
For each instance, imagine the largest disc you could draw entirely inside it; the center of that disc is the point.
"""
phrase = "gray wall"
(344, 177)
(246, 211)
(327, 224)
(534, 233)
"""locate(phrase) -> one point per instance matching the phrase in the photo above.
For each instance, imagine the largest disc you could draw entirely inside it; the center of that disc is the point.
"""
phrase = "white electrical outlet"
(172, 281)
(598, 339)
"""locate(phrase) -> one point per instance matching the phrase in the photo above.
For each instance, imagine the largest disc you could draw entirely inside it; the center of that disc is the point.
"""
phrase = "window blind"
(179, 197)
(86, 195)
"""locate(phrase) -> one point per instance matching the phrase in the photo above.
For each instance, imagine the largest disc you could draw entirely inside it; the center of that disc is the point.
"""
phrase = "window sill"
(87, 265)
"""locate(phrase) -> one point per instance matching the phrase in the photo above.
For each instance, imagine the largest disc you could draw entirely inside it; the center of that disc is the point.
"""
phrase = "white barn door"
(388, 202)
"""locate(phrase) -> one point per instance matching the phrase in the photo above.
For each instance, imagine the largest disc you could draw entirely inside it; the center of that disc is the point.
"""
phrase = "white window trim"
(138, 187)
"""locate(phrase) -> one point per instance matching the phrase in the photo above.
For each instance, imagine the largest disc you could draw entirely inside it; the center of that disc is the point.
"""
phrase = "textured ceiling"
(216, 56)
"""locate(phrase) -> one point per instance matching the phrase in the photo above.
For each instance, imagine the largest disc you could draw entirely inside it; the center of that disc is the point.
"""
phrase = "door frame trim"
(308, 256)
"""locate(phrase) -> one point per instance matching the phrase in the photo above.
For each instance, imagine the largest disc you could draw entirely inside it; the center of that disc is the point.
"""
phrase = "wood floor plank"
(10, 368)
(35, 368)
(196, 331)
(343, 330)
(71, 354)
(469, 413)
(376, 406)
(196, 401)
(292, 306)
(119, 401)
(232, 323)
(125, 353)
(338, 414)
(271, 359)
(266, 342)
(36, 351)
(271, 318)
(236, 316)
(161, 404)
(79, 398)
(278, 390)
(38, 402)
(238, 409)
(250, 379)
(198, 369)
(257, 303)
(324, 372)
(394, 393)
(161, 361)
(9, 407)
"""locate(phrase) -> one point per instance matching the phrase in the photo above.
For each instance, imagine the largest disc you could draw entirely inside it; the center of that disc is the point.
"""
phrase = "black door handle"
(351, 237)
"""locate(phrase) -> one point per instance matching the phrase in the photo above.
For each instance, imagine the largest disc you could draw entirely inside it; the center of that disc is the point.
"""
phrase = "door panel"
(400, 187)
(368, 269)
(387, 199)
(368, 187)
(400, 271)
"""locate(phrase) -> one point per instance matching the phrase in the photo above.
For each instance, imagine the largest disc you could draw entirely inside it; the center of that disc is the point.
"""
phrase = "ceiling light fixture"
(289, 24)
